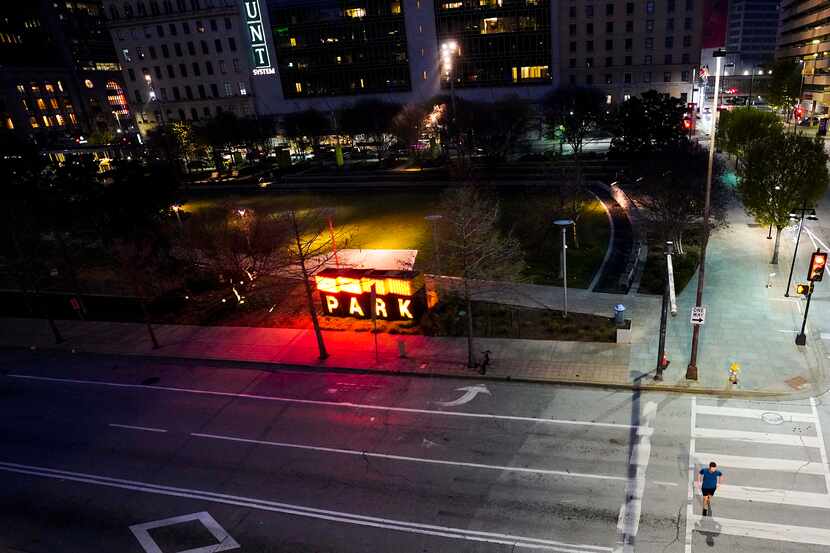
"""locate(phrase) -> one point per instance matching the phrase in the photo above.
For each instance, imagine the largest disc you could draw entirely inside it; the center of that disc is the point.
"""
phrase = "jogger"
(709, 478)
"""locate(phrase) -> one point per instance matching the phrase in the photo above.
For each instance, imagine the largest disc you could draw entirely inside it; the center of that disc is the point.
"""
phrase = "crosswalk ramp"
(775, 491)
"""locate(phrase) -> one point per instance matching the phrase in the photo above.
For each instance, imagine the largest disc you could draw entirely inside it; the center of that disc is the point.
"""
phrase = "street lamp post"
(810, 217)
(434, 219)
(449, 50)
(691, 370)
(564, 224)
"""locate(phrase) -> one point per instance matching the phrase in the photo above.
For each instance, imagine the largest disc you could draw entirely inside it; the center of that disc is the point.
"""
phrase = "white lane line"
(310, 512)
(755, 437)
(690, 495)
(628, 522)
(131, 427)
(761, 463)
(789, 416)
(414, 459)
(346, 405)
(816, 239)
(821, 447)
(762, 530)
(771, 495)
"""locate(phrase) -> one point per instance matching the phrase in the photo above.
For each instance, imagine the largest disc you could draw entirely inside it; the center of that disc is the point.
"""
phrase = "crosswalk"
(776, 480)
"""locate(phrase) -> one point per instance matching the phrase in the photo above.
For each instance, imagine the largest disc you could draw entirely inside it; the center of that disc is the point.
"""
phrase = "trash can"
(619, 314)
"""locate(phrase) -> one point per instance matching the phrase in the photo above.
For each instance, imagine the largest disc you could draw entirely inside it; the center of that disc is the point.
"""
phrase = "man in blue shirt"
(709, 480)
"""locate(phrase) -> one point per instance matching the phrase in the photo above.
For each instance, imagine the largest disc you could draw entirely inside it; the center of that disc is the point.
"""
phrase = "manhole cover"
(772, 418)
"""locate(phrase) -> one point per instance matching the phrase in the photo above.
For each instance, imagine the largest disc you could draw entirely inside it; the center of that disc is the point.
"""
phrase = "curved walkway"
(612, 272)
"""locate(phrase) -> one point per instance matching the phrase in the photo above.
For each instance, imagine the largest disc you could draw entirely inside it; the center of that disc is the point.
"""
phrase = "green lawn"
(395, 219)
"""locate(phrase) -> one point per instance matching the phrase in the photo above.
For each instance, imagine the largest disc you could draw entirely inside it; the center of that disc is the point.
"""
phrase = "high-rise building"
(185, 60)
(803, 36)
(626, 48)
(60, 79)
(752, 27)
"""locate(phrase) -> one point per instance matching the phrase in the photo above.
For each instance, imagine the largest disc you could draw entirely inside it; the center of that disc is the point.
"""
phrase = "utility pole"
(691, 370)
(818, 262)
(811, 217)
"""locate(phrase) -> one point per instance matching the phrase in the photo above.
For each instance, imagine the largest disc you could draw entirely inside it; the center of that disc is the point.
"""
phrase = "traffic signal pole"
(795, 251)
(801, 339)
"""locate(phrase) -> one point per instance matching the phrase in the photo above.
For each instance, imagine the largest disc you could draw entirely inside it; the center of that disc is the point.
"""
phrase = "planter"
(624, 333)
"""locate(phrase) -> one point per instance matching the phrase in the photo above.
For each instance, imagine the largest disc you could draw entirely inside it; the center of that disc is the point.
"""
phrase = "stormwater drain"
(772, 418)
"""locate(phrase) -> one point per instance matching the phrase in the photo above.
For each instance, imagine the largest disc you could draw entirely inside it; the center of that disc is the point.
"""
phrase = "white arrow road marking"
(470, 393)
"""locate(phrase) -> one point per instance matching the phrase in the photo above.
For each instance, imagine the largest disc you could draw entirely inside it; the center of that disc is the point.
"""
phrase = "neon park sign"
(399, 295)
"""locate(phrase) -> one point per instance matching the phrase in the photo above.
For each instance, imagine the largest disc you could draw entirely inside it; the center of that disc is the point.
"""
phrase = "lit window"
(59, 120)
(396, 8)
(21, 89)
(46, 121)
(534, 72)
(9, 124)
(424, 75)
(243, 91)
(33, 122)
(452, 5)
(54, 103)
(88, 83)
(298, 87)
(152, 95)
(362, 84)
(626, 97)
(60, 86)
(41, 105)
(608, 99)
(355, 12)
(49, 88)
(515, 74)
(292, 41)
(73, 118)
(126, 53)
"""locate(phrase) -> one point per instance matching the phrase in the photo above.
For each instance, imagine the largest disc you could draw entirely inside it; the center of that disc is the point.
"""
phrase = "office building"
(60, 80)
(803, 36)
(626, 48)
(752, 27)
(184, 60)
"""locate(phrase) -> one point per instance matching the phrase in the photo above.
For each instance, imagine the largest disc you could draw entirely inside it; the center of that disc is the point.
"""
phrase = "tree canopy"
(740, 127)
(576, 112)
(780, 174)
(306, 128)
(785, 83)
(652, 122)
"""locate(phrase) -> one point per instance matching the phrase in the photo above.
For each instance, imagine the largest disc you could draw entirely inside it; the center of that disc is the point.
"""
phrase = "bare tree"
(312, 244)
(473, 247)
(238, 245)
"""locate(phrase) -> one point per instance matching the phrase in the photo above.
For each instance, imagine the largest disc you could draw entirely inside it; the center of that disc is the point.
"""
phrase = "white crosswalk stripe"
(798, 455)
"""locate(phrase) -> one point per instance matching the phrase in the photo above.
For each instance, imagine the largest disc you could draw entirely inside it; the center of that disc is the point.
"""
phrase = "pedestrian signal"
(818, 261)
(802, 289)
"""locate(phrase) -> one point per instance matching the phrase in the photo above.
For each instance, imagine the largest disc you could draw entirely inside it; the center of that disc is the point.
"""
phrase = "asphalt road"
(130, 456)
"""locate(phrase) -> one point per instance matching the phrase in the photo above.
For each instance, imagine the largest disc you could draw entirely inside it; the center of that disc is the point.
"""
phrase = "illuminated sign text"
(348, 293)
(256, 35)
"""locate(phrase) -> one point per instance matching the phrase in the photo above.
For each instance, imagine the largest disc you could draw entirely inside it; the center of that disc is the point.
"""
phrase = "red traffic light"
(687, 123)
(818, 261)
(799, 112)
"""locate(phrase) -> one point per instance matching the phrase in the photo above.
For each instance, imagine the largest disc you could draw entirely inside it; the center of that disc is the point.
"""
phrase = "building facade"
(752, 28)
(184, 60)
(803, 35)
(626, 48)
(60, 80)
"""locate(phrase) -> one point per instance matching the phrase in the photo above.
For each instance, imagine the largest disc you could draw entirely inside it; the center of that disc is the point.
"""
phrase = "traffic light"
(818, 261)
(802, 289)
(799, 112)
(687, 123)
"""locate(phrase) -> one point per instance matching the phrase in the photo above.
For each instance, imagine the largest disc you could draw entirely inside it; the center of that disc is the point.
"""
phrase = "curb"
(264, 365)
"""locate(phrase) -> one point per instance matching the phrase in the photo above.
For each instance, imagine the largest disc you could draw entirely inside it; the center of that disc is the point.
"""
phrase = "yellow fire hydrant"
(734, 369)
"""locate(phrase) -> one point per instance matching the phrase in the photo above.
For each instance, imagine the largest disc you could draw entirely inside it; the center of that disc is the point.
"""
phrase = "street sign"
(698, 315)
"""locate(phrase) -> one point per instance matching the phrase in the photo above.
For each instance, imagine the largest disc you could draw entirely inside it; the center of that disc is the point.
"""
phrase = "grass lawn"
(395, 219)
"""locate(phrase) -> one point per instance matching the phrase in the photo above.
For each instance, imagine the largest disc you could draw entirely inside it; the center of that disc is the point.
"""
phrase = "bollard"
(619, 314)
(401, 349)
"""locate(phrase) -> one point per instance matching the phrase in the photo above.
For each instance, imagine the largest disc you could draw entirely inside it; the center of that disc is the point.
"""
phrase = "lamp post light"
(449, 50)
(433, 220)
(564, 224)
(691, 369)
(800, 215)
(176, 209)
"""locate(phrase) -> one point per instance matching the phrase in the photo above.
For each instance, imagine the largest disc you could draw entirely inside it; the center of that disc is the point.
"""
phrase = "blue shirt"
(710, 479)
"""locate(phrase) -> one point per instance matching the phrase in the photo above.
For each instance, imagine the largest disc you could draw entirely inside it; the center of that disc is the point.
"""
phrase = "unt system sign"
(256, 35)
